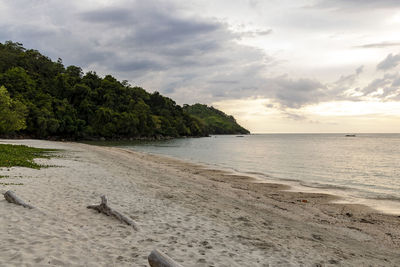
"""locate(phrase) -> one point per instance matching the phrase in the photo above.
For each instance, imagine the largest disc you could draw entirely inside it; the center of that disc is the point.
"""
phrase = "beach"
(196, 215)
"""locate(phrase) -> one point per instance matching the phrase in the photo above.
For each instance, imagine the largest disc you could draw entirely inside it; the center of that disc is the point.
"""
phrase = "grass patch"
(22, 156)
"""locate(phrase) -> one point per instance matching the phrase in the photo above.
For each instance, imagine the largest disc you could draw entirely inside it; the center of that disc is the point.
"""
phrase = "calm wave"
(361, 167)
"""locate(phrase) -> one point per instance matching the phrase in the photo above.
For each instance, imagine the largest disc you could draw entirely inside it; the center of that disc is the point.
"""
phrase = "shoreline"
(341, 195)
(198, 216)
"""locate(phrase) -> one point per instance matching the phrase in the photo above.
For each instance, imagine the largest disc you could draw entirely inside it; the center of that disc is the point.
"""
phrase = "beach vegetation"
(22, 156)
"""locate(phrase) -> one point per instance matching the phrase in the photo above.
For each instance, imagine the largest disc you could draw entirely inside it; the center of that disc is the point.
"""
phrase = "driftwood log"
(11, 197)
(104, 208)
(159, 259)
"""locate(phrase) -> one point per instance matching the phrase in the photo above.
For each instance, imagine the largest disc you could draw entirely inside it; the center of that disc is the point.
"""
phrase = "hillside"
(43, 99)
(215, 121)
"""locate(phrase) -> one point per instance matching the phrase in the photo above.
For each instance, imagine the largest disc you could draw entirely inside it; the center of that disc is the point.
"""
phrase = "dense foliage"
(12, 113)
(50, 100)
(215, 121)
(18, 155)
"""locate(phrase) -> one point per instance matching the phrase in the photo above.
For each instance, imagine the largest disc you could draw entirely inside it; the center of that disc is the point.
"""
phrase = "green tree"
(12, 113)
(214, 120)
(44, 98)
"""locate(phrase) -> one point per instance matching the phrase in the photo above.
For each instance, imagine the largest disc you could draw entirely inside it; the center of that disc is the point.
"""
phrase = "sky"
(278, 66)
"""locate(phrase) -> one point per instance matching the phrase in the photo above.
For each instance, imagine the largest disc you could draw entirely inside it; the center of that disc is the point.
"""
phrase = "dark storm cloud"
(390, 62)
(147, 26)
(138, 65)
(165, 29)
(108, 16)
(156, 37)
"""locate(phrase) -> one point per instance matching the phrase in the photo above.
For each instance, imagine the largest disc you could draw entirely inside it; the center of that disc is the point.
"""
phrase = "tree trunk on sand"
(159, 259)
(11, 197)
(104, 208)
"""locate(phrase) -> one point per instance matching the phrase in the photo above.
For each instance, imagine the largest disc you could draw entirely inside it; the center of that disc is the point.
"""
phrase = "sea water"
(362, 169)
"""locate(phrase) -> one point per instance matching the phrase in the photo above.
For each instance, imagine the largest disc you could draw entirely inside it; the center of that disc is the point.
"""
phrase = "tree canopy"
(42, 98)
(12, 113)
(214, 120)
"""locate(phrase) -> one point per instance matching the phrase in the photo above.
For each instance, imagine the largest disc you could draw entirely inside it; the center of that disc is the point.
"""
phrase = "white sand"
(199, 217)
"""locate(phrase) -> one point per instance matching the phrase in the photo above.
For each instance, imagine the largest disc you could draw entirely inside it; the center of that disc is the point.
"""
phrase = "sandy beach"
(196, 215)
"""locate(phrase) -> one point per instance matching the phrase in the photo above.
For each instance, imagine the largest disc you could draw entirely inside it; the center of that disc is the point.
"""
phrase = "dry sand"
(198, 216)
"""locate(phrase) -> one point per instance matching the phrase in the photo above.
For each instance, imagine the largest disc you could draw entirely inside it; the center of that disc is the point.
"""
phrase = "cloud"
(165, 46)
(386, 88)
(148, 27)
(348, 80)
(339, 90)
(357, 4)
(255, 33)
(294, 93)
(379, 45)
(294, 116)
(390, 62)
(270, 105)
(224, 82)
(154, 43)
(253, 3)
(136, 65)
(108, 15)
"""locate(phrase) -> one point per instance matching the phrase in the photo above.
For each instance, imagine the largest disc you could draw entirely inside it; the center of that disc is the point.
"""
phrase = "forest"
(215, 121)
(40, 98)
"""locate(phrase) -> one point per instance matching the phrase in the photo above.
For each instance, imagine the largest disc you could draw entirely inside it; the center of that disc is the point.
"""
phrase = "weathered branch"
(104, 208)
(11, 197)
(159, 259)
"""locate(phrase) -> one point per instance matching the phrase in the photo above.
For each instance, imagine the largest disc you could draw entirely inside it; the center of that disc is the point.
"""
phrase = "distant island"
(43, 99)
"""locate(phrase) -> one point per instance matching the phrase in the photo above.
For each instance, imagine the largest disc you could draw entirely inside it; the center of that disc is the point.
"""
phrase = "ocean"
(364, 169)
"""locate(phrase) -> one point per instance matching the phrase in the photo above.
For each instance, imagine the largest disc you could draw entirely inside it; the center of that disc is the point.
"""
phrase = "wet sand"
(196, 215)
